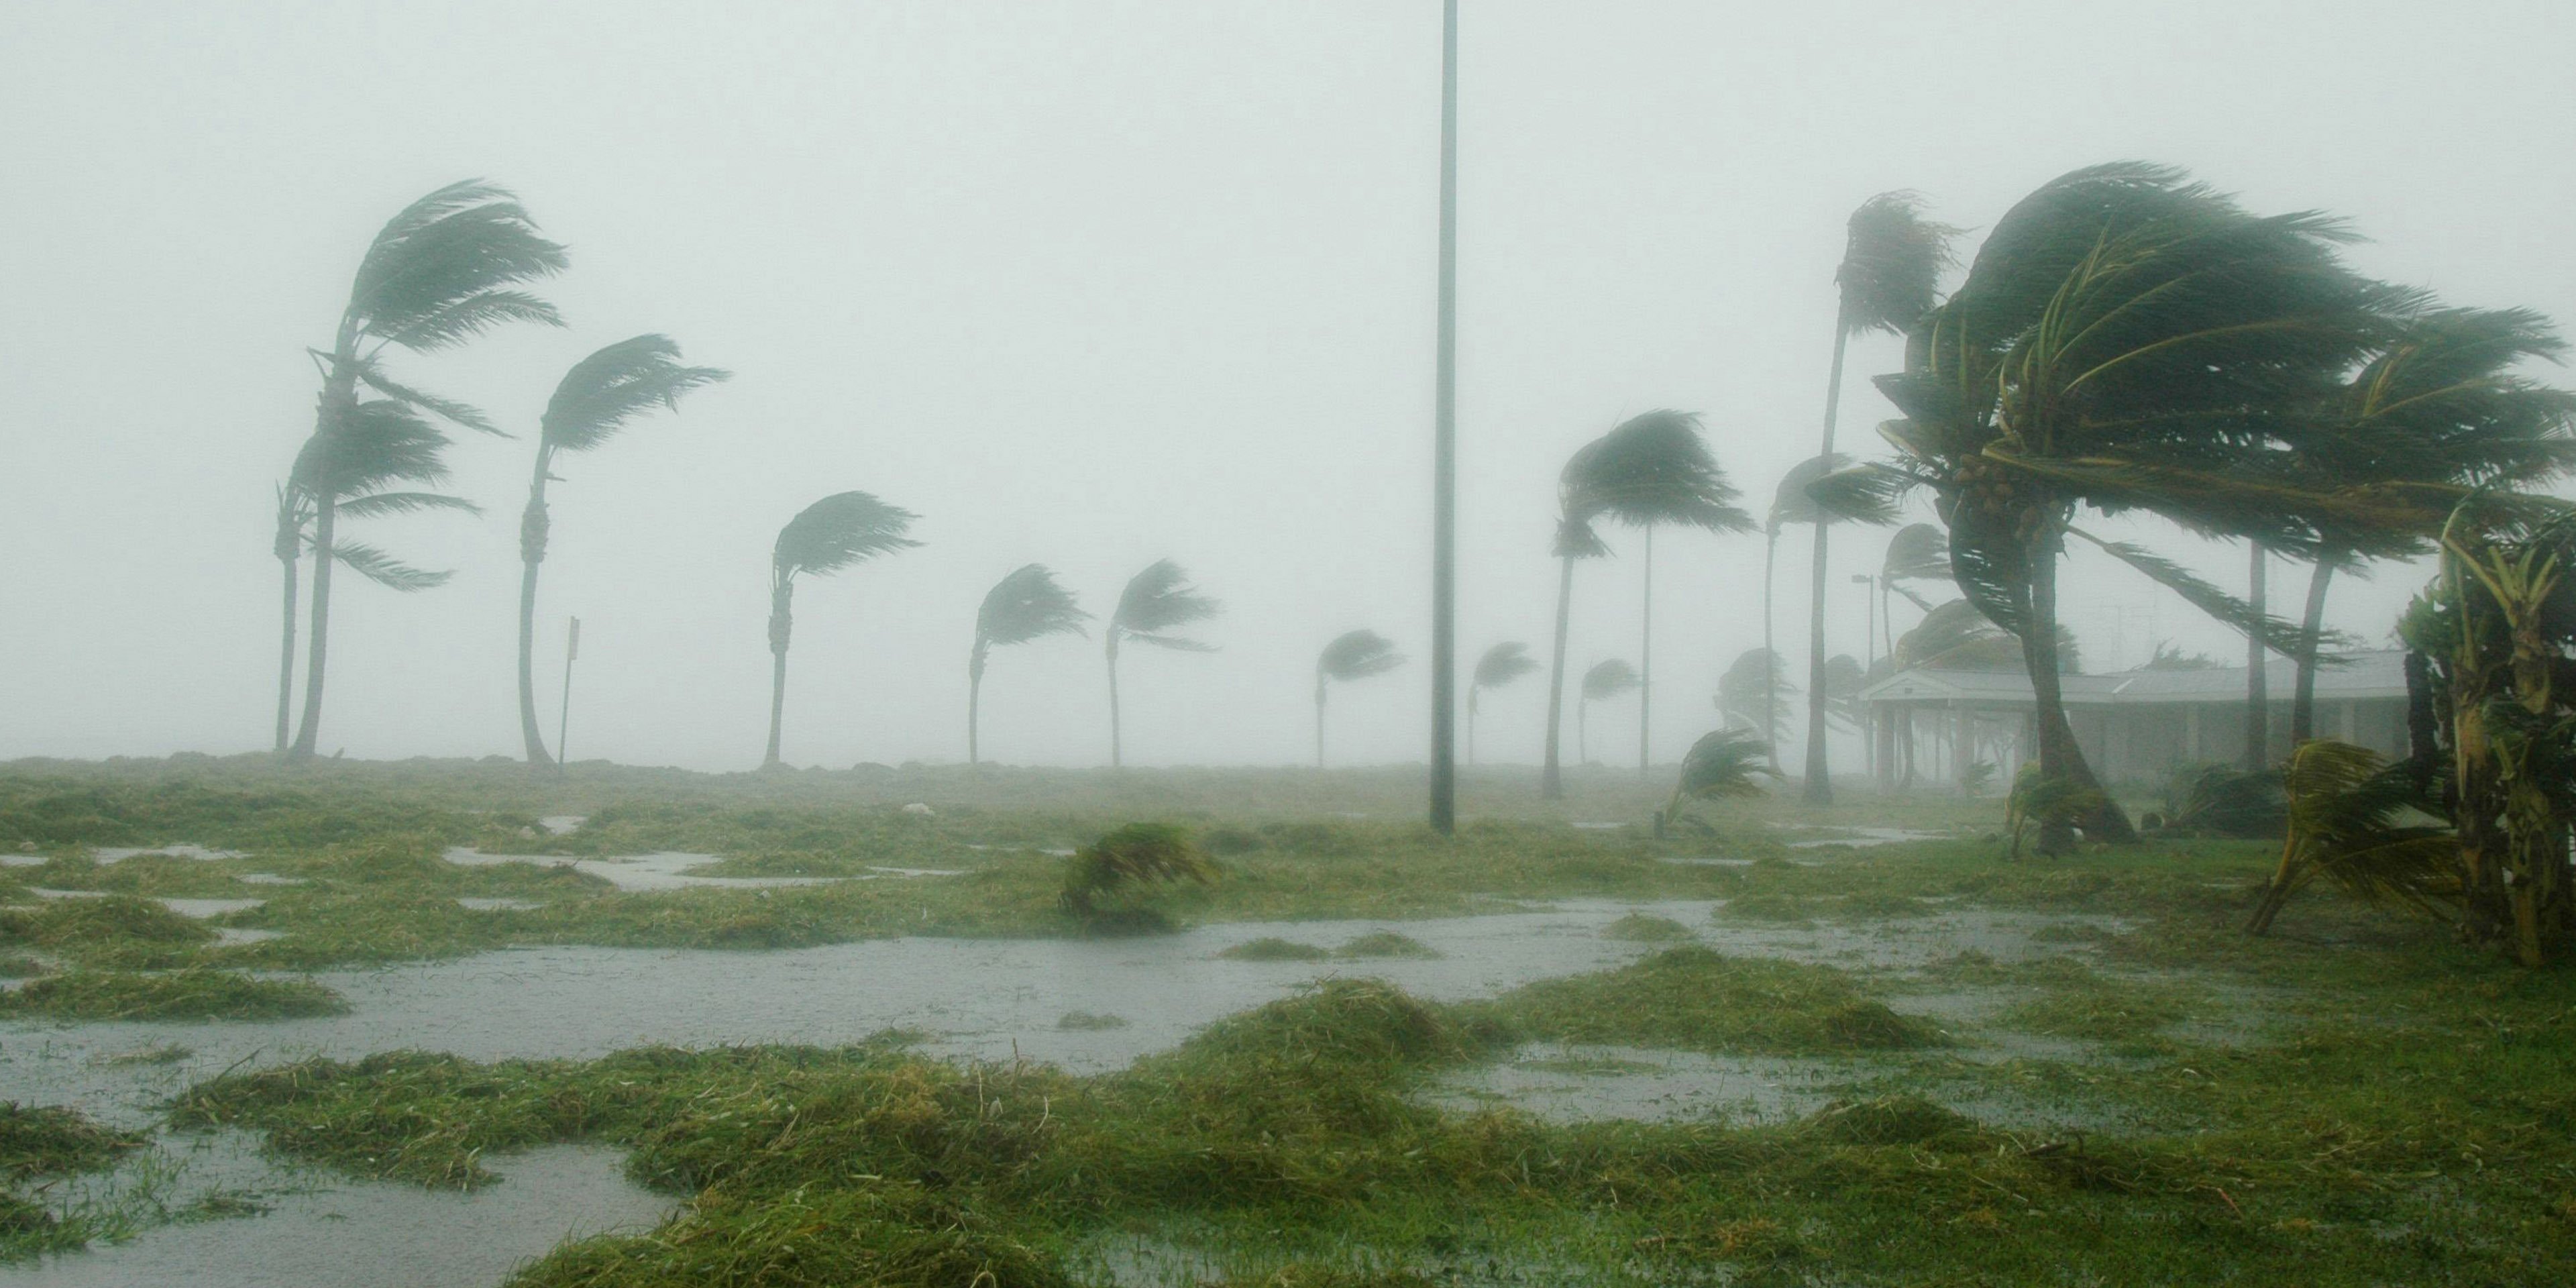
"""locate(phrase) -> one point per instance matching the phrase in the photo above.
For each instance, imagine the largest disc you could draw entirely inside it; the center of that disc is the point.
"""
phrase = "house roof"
(2375, 674)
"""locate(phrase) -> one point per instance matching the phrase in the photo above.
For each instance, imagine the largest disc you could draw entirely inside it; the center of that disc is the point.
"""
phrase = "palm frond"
(368, 446)
(2284, 637)
(1795, 500)
(385, 570)
(1608, 679)
(379, 504)
(371, 372)
(1159, 600)
(615, 385)
(1027, 604)
(1724, 763)
(837, 531)
(1357, 655)
(1502, 664)
(461, 320)
(2346, 806)
(443, 268)
(1892, 262)
(1653, 468)
(1918, 552)
(2224, 801)
(1745, 691)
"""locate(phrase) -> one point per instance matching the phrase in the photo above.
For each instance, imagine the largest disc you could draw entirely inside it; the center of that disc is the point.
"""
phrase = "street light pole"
(1444, 454)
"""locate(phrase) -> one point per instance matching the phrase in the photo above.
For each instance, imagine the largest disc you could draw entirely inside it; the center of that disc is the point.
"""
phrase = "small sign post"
(563, 723)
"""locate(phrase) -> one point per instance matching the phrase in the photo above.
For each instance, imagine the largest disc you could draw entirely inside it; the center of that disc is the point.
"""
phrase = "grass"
(50, 1140)
(1383, 944)
(1647, 928)
(1272, 949)
(1698, 999)
(1089, 1022)
(194, 994)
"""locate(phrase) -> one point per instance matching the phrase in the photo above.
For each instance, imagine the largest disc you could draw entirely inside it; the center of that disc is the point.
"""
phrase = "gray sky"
(1090, 284)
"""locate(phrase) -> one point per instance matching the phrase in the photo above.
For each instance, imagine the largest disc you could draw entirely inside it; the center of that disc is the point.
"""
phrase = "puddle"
(1862, 838)
(321, 1228)
(270, 878)
(110, 854)
(204, 908)
(227, 936)
(1710, 861)
(1573, 1083)
(561, 824)
(668, 870)
(499, 905)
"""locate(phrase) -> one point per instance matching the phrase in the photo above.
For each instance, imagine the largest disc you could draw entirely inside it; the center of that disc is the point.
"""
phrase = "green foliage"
(192, 994)
(1724, 764)
(2220, 800)
(1646, 928)
(837, 531)
(1654, 467)
(1272, 949)
(2347, 814)
(52, 1140)
(608, 389)
(1383, 944)
(1892, 262)
(1025, 605)
(1356, 655)
(1698, 999)
(2038, 801)
(1157, 602)
(1502, 664)
(1124, 865)
(1608, 679)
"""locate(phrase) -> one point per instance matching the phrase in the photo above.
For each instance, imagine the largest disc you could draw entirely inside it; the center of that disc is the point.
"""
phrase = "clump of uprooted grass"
(51, 1140)
(1647, 928)
(890, 1236)
(115, 929)
(197, 993)
(1385, 943)
(1270, 948)
(1698, 999)
(1107, 882)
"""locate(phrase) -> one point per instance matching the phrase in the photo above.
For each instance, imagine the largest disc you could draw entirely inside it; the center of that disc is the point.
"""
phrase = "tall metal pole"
(1444, 467)
(563, 722)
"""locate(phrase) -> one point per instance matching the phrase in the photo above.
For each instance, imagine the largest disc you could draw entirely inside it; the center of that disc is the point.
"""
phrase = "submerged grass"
(193, 994)
(1698, 999)
(1272, 949)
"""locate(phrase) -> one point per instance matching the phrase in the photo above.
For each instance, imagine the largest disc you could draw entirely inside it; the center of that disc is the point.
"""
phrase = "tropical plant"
(440, 273)
(382, 447)
(1650, 469)
(1725, 763)
(1606, 680)
(1747, 694)
(2345, 810)
(2439, 402)
(1157, 602)
(1119, 868)
(2219, 801)
(1891, 267)
(2126, 339)
(1353, 655)
(1026, 604)
(593, 402)
(1791, 502)
(2168, 656)
(1501, 664)
(1918, 552)
(2040, 801)
(840, 530)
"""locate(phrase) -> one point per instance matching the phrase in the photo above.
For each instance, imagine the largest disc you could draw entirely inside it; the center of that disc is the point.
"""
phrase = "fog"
(1089, 284)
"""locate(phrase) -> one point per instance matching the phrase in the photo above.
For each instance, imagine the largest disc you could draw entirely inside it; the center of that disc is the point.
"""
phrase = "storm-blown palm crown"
(1729, 763)
(1892, 262)
(1608, 679)
(1157, 602)
(1357, 655)
(1027, 604)
(1918, 552)
(840, 530)
(1502, 664)
(1748, 693)
(1653, 468)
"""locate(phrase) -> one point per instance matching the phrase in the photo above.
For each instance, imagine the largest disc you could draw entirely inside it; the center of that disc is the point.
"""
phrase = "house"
(2131, 725)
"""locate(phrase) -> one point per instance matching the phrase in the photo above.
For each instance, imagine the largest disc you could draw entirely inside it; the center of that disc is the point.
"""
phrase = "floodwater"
(669, 870)
(974, 998)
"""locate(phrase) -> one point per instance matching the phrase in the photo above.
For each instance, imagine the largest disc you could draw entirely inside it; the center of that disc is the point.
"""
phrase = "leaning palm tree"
(2127, 340)
(1354, 655)
(1606, 680)
(1790, 503)
(593, 402)
(825, 537)
(1892, 262)
(383, 447)
(1655, 468)
(1728, 763)
(1026, 604)
(1501, 664)
(440, 273)
(1157, 602)
(1748, 693)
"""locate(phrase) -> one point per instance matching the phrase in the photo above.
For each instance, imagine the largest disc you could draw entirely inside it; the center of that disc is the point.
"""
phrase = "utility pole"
(1444, 456)
(563, 722)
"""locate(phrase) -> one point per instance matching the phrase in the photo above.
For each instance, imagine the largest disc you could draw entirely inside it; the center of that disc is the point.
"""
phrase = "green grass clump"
(1272, 949)
(1781, 908)
(51, 1140)
(197, 993)
(2100, 1010)
(883, 1237)
(1089, 1022)
(19, 966)
(1698, 999)
(1646, 928)
(91, 927)
(1902, 1119)
(1385, 943)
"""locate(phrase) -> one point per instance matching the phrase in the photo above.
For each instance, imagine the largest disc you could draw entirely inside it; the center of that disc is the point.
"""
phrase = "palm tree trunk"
(286, 638)
(1551, 778)
(1114, 761)
(1319, 721)
(2258, 698)
(1646, 652)
(1820, 783)
(326, 518)
(2060, 757)
(779, 624)
(1770, 658)
(533, 526)
(2303, 700)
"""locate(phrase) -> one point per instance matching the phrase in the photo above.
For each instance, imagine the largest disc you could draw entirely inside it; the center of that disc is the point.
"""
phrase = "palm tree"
(1606, 680)
(593, 402)
(2440, 401)
(1501, 664)
(1748, 693)
(1026, 604)
(440, 273)
(1651, 468)
(1726, 763)
(2127, 340)
(825, 537)
(1157, 602)
(1892, 262)
(384, 445)
(1354, 655)
(1790, 503)
(1918, 552)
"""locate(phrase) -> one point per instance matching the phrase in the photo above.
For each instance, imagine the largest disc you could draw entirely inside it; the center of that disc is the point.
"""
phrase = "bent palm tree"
(437, 275)
(592, 403)
(1501, 664)
(1723, 764)
(1790, 503)
(1748, 693)
(1606, 680)
(2346, 811)
(840, 530)
(1157, 602)
(1892, 262)
(1026, 604)
(1354, 655)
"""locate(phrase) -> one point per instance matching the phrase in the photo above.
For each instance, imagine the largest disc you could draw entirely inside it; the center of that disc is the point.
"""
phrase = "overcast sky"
(1092, 284)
